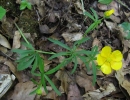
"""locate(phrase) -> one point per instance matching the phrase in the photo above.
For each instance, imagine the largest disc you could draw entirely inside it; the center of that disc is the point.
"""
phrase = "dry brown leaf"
(115, 19)
(16, 40)
(65, 80)
(19, 75)
(22, 91)
(83, 81)
(72, 36)
(97, 42)
(122, 81)
(51, 95)
(73, 92)
(98, 94)
(4, 42)
(3, 49)
(110, 25)
(78, 7)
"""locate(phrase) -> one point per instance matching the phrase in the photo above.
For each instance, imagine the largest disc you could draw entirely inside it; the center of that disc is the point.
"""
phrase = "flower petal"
(116, 55)
(105, 68)
(106, 51)
(116, 65)
(109, 13)
(100, 60)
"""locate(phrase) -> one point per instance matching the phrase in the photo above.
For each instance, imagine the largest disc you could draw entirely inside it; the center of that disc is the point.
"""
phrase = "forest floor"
(64, 21)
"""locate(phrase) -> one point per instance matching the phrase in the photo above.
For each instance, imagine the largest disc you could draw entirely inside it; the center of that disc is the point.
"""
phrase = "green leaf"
(75, 65)
(28, 45)
(84, 59)
(40, 64)
(2, 12)
(92, 26)
(89, 15)
(105, 1)
(81, 41)
(94, 70)
(34, 67)
(24, 4)
(87, 53)
(23, 59)
(58, 54)
(29, 6)
(59, 43)
(62, 64)
(35, 82)
(23, 53)
(43, 81)
(94, 51)
(34, 91)
(52, 85)
(22, 7)
(126, 29)
(95, 14)
(26, 63)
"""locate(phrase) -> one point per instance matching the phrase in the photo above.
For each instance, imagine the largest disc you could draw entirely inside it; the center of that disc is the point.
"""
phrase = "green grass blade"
(25, 64)
(94, 70)
(75, 65)
(59, 43)
(58, 54)
(52, 85)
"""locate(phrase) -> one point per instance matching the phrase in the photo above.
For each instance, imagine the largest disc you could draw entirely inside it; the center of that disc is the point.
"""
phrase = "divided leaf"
(26, 63)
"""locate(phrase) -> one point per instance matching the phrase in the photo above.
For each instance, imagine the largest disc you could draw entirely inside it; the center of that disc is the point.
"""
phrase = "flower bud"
(109, 13)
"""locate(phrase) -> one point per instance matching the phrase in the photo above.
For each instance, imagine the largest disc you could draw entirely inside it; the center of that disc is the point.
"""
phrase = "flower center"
(109, 59)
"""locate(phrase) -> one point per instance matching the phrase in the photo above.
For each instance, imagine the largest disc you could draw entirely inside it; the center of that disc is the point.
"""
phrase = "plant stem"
(39, 51)
(22, 33)
(119, 1)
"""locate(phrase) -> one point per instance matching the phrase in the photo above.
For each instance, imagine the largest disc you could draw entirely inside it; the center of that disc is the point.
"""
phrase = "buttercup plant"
(31, 57)
(109, 60)
(94, 18)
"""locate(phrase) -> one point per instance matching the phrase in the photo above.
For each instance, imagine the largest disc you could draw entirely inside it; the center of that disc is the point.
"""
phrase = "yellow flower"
(109, 60)
(109, 13)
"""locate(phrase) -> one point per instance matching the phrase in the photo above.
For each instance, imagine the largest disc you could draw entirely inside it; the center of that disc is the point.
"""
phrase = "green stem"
(22, 33)
(39, 51)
